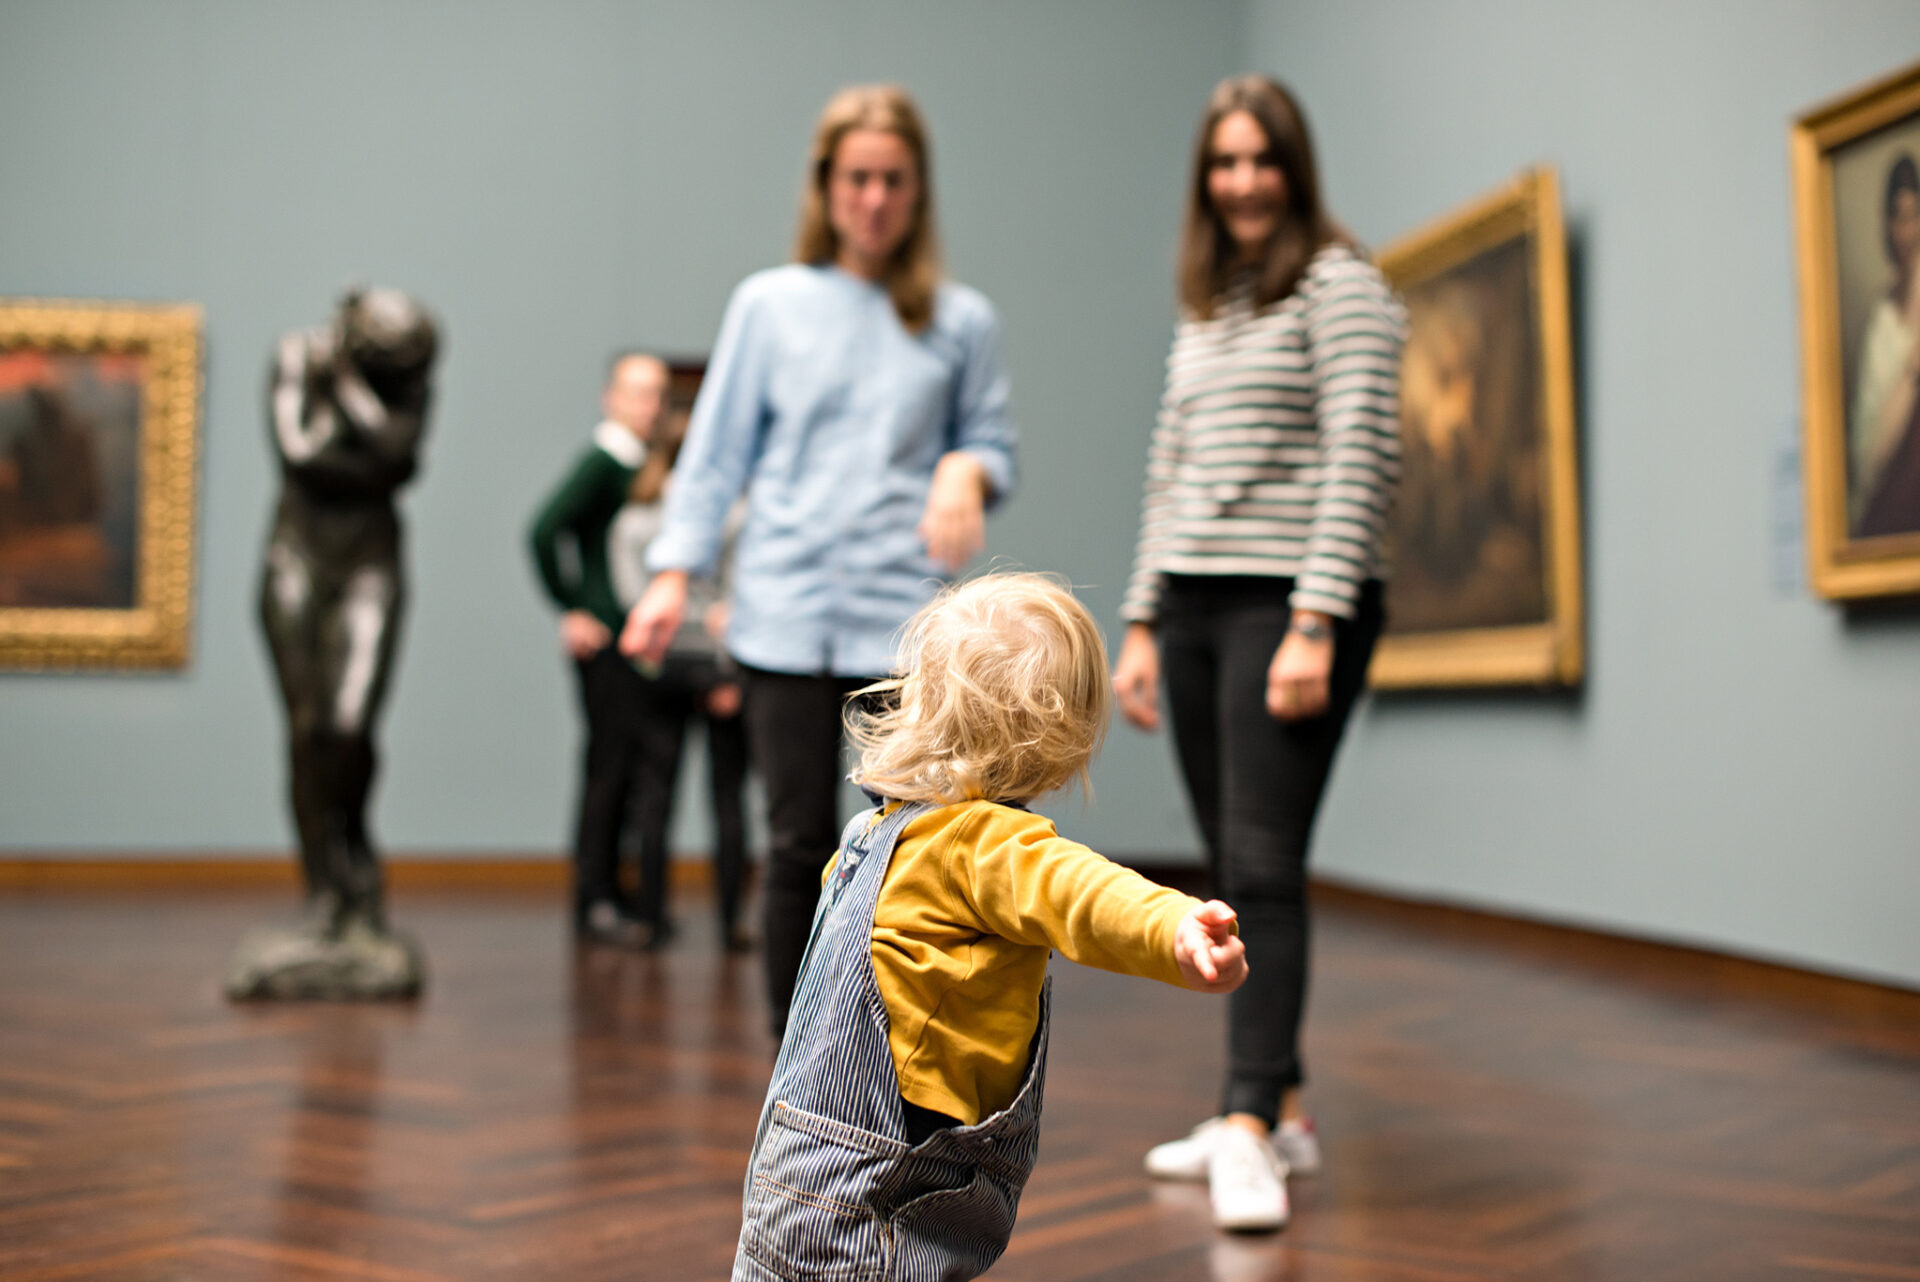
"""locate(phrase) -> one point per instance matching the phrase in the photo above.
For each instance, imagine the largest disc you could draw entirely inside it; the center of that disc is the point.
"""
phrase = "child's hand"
(1212, 958)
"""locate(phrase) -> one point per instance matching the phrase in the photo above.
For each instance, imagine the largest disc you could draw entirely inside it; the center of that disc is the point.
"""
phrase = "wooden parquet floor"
(1496, 1103)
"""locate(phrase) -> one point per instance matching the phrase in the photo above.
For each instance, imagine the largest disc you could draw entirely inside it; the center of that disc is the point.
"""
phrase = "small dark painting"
(70, 454)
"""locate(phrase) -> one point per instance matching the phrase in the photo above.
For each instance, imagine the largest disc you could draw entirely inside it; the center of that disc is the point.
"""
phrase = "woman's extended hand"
(954, 525)
(1298, 676)
(654, 620)
(1136, 678)
(1211, 957)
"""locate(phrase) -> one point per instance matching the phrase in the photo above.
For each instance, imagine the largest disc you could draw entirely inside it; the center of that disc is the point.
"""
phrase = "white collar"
(620, 442)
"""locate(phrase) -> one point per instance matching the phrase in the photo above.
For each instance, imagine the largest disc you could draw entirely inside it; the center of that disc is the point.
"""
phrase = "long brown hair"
(1207, 250)
(663, 451)
(913, 274)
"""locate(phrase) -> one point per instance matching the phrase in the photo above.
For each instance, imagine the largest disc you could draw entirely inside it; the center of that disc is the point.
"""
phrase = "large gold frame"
(1553, 652)
(155, 632)
(1838, 565)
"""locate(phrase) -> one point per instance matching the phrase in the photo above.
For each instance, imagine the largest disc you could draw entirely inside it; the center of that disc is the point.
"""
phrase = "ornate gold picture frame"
(99, 415)
(1856, 196)
(1485, 534)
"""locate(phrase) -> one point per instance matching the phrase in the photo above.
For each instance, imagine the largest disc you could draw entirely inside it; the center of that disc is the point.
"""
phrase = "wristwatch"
(1312, 629)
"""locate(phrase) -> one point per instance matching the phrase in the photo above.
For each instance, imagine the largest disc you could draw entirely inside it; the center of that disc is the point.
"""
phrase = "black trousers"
(794, 732)
(668, 705)
(1255, 783)
(611, 697)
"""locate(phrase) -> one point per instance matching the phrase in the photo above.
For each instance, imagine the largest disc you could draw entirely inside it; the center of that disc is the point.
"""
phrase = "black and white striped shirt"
(1277, 447)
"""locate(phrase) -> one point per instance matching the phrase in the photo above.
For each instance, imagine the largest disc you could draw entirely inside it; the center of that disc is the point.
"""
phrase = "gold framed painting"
(99, 414)
(1856, 195)
(1484, 538)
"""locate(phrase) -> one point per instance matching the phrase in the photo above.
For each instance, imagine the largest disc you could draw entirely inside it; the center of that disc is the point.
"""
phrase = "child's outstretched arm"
(1212, 958)
(1025, 882)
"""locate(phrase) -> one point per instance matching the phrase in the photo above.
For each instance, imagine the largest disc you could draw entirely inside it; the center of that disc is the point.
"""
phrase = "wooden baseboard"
(418, 872)
(1608, 953)
(1604, 952)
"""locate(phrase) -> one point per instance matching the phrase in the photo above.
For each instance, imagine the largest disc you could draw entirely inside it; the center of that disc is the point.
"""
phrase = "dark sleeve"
(559, 520)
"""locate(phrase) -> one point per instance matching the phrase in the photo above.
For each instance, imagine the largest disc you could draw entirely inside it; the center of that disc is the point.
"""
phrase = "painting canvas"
(98, 404)
(69, 478)
(1484, 536)
(684, 375)
(1857, 195)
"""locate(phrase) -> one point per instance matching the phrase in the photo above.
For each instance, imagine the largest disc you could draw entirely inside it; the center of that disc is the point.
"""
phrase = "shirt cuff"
(673, 550)
(999, 470)
(1326, 596)
(1167, 928)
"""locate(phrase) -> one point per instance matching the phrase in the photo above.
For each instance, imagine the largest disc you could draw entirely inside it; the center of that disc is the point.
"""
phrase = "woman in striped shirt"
(1256, 583)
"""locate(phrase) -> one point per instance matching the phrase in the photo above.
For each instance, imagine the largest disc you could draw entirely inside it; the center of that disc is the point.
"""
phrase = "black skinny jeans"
(667, 704)
(611, 692)
(794, 732)
(1255, 783)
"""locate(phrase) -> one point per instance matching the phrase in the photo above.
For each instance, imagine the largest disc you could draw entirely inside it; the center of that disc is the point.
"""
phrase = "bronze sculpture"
(347, 409)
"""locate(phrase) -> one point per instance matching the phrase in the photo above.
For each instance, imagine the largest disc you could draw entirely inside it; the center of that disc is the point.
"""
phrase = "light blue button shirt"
(831, 416)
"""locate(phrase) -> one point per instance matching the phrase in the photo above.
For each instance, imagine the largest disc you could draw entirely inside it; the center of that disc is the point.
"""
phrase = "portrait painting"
(1483, 537)
(98, 408)
(1857, 196)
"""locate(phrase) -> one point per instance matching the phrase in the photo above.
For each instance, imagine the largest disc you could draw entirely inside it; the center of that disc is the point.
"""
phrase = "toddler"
(903, 1117)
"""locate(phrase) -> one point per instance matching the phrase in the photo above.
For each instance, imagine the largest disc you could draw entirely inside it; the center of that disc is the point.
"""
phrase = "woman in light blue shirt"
(861, 403)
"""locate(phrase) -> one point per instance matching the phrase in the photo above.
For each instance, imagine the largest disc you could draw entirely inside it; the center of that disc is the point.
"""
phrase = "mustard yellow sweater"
(976, 895)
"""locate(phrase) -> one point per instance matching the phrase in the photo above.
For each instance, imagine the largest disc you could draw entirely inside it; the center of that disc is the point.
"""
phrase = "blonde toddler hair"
(1001, 694)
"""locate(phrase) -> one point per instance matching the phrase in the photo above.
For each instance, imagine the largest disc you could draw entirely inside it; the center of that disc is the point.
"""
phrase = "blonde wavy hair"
(1001, 694)
(913, 275)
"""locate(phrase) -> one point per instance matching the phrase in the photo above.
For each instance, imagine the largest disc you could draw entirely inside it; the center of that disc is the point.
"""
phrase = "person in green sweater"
(569, 541)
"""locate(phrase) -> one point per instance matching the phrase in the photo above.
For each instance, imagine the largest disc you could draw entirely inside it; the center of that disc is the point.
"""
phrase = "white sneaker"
(1298, 1146)
(1186, 1158)
(1247, 1181)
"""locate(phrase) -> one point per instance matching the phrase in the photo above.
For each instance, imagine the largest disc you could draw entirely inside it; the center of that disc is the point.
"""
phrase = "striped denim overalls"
(833, 1188)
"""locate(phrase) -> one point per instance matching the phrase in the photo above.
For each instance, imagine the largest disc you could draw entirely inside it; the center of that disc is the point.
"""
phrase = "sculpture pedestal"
(287, 963)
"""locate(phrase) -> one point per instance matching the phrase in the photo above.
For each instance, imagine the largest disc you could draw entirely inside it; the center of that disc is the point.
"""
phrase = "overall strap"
(838, 1023)
(865, 843)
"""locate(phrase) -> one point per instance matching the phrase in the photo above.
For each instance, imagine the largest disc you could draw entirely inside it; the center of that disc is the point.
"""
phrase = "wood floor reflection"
(1496, 1103)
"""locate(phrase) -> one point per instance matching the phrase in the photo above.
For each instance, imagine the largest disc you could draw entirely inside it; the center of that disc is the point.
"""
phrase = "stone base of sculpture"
(361, 962)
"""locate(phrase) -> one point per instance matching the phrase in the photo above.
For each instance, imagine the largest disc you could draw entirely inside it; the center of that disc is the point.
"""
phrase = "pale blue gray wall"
(1742, 770)
(561, 179)
(557, 180)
